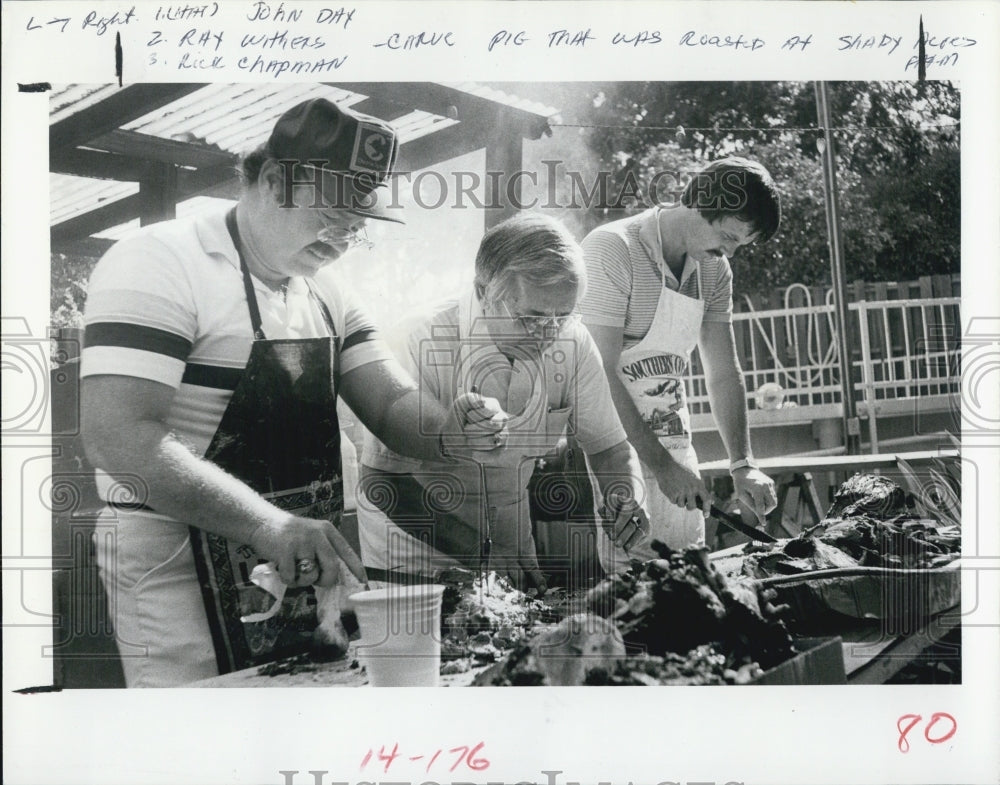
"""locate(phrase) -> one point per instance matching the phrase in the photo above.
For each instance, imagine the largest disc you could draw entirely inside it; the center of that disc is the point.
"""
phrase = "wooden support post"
(807, 494)
(775, 523)
(807, 491)
(158, 192)
(503, 171)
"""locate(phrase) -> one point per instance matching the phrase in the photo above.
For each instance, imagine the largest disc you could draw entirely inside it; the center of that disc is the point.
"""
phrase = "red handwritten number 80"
(912, 719)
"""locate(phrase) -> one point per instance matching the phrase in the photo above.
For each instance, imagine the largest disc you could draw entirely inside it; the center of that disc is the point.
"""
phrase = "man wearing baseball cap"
(215, 350)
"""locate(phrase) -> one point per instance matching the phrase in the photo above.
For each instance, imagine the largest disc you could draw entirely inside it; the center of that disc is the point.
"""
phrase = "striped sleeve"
(719, 302)
(608, 279)
(362, 343)
(140, 315)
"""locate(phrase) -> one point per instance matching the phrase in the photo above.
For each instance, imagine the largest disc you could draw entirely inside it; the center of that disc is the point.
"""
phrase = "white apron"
(653, 371)
(534, 430)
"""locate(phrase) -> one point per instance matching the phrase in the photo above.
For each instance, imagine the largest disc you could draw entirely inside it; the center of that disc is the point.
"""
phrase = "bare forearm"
(182, 485)
(618, 468)
(412, 425)
(728, 396)
(389, 404)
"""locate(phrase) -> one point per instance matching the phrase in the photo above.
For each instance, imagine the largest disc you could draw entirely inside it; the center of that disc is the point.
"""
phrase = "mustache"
(326, 250)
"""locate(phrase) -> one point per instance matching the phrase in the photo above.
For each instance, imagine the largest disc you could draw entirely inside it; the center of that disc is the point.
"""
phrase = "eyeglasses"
(355, 238)
(543, 326)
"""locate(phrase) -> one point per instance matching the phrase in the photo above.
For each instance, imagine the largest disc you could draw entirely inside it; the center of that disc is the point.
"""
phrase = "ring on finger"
(305, 566)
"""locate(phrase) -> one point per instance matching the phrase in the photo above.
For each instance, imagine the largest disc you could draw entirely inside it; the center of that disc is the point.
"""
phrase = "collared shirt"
(434, 348)
(168, 304)
(625, 273)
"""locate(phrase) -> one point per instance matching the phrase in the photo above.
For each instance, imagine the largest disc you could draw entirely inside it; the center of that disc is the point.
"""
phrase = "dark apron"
(280, 435)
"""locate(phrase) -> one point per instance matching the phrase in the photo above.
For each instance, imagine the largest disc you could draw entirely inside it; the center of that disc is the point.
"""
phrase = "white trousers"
(154, 598)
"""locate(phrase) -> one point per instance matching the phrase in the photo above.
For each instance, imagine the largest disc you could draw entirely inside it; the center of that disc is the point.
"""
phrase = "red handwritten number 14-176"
(907, 722)
(468, 754)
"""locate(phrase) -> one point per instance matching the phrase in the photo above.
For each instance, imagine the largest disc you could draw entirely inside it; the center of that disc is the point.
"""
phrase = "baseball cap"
(356, 153)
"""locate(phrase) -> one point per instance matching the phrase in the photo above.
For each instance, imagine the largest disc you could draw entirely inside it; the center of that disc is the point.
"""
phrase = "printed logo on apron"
(654, 370)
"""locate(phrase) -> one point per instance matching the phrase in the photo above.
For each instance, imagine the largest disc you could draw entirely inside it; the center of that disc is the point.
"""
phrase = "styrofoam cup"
(400, 627)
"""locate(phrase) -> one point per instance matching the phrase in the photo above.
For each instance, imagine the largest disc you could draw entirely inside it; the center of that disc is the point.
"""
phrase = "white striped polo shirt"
(167, 304)
(624, 280)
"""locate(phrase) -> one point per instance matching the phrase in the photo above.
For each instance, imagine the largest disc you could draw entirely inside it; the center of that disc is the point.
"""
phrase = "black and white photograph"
(357, 382)
(697, 207)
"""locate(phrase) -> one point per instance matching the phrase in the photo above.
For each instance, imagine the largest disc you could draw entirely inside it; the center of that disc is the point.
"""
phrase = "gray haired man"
(513, 337)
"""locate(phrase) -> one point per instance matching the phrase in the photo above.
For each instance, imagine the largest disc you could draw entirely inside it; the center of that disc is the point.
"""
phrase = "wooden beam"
(71, 233)
(98, 165)
(384, 110)
(448, 101)
(128, 153)
(94, 247)
(124, 106)
(97, 220)
(451, 142)
(155, 148)
(159, 194)
(504, 156)
(218, 181)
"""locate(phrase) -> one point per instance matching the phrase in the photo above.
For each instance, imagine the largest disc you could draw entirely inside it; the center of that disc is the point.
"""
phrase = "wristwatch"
(742, 463)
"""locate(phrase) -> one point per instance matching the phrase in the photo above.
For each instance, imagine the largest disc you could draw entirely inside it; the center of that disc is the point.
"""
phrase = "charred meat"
(867, 526)
(562, 656)
(680, 601)
(870, 495)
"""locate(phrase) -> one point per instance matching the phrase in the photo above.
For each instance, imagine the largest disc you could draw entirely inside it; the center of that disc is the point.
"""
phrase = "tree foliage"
(898, 173)
(68, 292)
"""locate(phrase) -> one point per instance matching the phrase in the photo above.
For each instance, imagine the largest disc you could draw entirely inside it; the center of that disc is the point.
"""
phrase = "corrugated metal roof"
(70, 196)
(232, 118)
(500, 97)
(66, 100)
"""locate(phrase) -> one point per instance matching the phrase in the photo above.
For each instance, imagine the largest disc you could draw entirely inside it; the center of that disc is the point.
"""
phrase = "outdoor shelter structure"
(137, 152)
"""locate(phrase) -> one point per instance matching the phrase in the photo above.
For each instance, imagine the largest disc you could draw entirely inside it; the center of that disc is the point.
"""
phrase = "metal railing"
(901, 349)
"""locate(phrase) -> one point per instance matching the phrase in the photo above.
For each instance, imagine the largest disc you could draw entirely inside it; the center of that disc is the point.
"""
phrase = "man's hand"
(294, 543)
(683, 487)
(755, 490)
(513, 550)
(475, 428)
(624, 521)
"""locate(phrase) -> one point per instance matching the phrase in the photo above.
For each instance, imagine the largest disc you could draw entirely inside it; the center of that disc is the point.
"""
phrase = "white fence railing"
(900, 349)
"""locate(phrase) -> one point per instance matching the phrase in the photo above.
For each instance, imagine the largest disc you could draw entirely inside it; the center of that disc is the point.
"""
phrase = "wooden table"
(831, 463)
(344, 672)
(872, 657)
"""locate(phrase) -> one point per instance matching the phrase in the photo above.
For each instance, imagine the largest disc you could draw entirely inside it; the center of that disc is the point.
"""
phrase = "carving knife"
(735, 523)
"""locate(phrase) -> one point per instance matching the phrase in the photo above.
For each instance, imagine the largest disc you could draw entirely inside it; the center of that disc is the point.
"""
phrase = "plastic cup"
(400, 627)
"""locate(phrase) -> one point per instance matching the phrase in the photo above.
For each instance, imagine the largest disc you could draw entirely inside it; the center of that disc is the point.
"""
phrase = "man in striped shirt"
(215, 351)
(660, 284)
